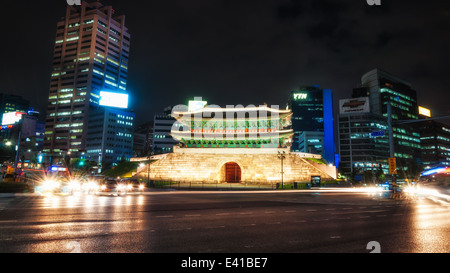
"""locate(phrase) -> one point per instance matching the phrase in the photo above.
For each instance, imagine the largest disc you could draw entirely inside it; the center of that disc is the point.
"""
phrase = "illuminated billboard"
(424, 111)
(12, 118)
(357, 105)
(111, 99)
(195, 105)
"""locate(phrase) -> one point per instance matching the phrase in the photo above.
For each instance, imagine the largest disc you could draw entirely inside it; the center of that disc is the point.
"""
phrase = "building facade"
(363, 139)
(312, 121)
(382, 88)
(110, 135)
(435, 143)
(143, 139)
(90, 55)
(163, 141)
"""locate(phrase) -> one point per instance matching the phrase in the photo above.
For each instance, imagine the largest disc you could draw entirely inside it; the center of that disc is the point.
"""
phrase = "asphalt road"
(223, 222)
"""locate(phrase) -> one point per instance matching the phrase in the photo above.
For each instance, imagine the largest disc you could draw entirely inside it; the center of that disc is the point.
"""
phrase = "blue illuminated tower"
(312, 121)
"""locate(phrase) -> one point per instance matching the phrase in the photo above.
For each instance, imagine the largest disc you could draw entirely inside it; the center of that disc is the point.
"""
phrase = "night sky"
(245, 51)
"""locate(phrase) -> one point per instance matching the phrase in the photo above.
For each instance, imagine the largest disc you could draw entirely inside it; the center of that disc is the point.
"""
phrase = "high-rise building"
(363, 139)
(90, 56)
(312, 121)
(383, 88)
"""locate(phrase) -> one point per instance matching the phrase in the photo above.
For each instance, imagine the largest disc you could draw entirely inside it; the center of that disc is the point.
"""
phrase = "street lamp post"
(282, 157)
(148, 168)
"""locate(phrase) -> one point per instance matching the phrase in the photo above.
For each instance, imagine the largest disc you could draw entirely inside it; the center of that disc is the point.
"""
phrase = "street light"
(282, 157)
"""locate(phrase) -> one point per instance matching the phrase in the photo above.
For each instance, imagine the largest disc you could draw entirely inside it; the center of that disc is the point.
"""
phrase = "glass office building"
(382, 88)
(363, 138)
(312, 121)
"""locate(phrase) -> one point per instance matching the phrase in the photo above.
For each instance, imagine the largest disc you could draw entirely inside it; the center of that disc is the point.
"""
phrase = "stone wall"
(210, 167)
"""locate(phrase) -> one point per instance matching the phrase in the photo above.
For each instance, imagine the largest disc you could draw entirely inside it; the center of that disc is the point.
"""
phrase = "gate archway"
(232, 172)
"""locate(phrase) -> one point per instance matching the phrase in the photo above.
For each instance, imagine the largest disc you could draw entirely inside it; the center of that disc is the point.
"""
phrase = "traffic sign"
(392, 166)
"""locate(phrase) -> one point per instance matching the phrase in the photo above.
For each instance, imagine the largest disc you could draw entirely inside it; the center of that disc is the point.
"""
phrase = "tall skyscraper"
(312, 121)
(383, 88)
(90, 55)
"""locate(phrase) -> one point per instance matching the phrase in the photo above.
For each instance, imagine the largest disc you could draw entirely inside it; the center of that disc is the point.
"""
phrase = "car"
(111, 186)
(59, 185)
(133, 185)
(90, 184)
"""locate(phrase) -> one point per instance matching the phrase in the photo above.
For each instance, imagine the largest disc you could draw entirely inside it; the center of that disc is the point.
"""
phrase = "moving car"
(59, 184)
(133, 185)
(111, 186)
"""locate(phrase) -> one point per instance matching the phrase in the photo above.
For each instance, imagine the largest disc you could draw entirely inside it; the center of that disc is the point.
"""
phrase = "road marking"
(248, 225)
(179, 229)
(311, 210)
(193, 215)
(222, 214)
(215, 227)
(290, 211)
(246, 213)
(357, 212)
(269, 212)
(335, 237)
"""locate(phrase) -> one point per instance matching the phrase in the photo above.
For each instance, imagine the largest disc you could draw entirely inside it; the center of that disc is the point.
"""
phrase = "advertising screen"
(12, 118)
(111, 99)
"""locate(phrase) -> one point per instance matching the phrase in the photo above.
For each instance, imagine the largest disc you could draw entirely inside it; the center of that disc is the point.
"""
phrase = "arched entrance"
(232, 172)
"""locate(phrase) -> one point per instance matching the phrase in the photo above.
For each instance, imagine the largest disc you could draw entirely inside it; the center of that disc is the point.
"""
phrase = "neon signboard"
(300, 96)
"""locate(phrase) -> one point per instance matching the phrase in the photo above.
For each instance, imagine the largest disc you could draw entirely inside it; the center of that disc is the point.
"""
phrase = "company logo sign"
(300, 96)
(358, 105)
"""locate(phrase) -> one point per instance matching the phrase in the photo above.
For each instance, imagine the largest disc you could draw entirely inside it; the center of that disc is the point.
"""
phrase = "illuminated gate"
(232, 173)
